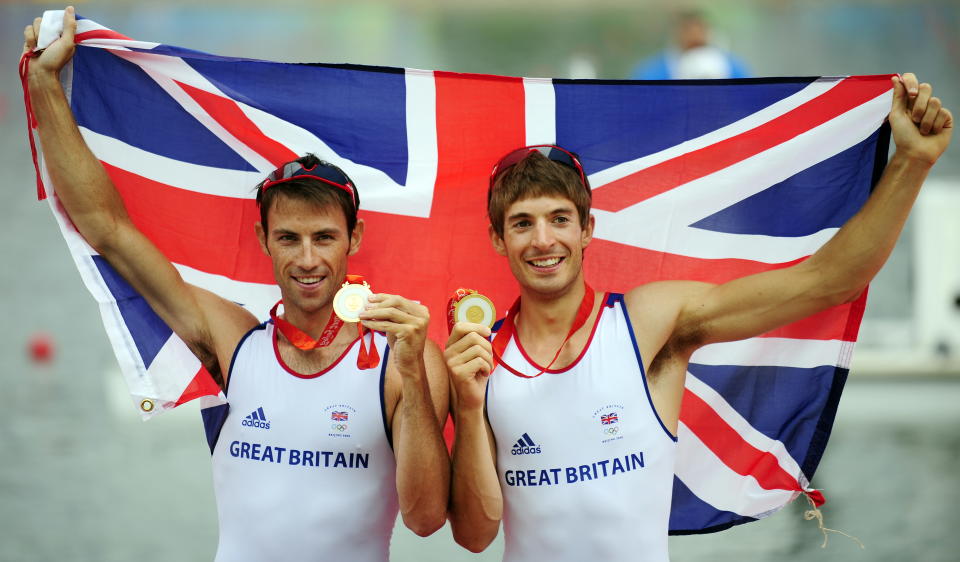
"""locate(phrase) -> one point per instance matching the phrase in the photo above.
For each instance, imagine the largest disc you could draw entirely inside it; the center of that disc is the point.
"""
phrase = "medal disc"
(476, 309)
(349, 301)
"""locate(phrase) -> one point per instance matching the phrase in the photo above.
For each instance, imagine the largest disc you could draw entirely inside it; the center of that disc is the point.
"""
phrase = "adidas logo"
(525, 446)
(256, 419)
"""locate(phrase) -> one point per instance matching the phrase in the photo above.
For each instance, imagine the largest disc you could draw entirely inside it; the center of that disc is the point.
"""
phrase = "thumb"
(899, 94)
(69, 24)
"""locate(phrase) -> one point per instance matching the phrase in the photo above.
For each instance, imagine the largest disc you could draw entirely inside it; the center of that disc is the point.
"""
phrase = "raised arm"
(423, 466)
(843, 267)
(476, 500)
(95, 207)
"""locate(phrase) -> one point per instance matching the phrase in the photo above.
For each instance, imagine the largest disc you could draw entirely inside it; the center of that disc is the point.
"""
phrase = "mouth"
(546, 265)
(308, 281)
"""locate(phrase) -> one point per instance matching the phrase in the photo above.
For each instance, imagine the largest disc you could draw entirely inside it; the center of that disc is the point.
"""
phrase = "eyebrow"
(557, 211)
(282, 231)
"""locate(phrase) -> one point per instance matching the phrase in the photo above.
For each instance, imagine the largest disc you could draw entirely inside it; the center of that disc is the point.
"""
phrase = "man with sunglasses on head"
(623, 356)
(289, 485)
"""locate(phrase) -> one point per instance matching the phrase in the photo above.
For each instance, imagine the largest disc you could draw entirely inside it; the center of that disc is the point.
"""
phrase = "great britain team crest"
(338, 418)
(608, 421)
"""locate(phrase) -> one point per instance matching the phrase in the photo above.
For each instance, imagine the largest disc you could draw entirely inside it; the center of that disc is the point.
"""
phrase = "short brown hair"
(536, 176)
(312, 190)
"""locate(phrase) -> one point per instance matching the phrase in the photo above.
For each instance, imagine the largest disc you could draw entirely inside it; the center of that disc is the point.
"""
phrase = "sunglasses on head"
(327, 173)
(550, 151)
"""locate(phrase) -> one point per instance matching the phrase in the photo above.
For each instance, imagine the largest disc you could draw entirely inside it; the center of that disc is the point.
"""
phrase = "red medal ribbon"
(301, 339)
(508, 330)
(366, 359)
(24, 67)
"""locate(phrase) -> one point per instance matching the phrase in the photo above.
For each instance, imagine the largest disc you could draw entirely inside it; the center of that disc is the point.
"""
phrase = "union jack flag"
(608, 419)
(339, 416)
(704, 180)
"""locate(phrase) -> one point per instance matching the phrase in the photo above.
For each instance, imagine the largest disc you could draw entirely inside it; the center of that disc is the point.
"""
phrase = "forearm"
(476, 505)
(860, 248)
(423, 466)
(81, 183)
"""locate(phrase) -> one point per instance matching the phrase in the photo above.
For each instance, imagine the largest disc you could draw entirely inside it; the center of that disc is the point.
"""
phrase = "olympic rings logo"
(339, 427)
(611, 430)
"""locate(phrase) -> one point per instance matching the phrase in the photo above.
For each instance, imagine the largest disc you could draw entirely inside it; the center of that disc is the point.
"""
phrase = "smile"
(308, 280)
(545, 262)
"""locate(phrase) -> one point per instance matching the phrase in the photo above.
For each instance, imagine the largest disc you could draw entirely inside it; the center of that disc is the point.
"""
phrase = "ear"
(586, 233)
(356, 237)
(497, 242)
(261, 237)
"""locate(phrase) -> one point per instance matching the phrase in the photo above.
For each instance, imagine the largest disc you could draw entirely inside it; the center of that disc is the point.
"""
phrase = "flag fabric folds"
(702, 180)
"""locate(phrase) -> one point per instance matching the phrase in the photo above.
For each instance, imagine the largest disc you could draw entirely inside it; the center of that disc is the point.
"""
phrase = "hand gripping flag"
(702, 180)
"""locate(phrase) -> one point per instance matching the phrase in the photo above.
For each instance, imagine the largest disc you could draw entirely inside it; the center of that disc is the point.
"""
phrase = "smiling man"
(322, 443)
(567, 359)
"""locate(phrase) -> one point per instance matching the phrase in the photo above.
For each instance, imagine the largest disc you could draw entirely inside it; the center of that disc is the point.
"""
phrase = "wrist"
(41, 79)
(912, 159)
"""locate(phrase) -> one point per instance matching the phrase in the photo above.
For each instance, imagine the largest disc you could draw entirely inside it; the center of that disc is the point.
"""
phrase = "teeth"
(308, 280)
(545, 263)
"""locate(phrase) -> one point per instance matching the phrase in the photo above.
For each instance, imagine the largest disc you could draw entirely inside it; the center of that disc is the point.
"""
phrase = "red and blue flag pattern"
(702, 180)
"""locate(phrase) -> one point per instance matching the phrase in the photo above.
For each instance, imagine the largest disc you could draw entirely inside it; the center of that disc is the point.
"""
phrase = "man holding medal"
(623, 357)
(322, 442)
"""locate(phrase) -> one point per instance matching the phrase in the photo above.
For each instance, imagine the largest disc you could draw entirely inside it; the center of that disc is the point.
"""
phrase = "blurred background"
(82, 478)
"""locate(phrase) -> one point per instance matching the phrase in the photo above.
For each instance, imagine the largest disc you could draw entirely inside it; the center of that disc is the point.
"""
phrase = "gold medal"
(476, 309)
(349, 301)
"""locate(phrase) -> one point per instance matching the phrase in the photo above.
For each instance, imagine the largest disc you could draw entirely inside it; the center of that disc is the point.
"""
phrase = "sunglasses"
(550, 151)
(327, 173)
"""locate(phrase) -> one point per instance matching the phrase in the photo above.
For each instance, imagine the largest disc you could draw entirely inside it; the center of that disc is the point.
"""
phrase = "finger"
(69, 24)
(392, 315)
(472, 368)
(910, 83)
(899, 93)
(36, 30)
(472, 353)
(29, 39)
(460, 329)
(381, 300)
(920, 102)
(943, 121)
(930, 115)
(465, 334)
(455, 354)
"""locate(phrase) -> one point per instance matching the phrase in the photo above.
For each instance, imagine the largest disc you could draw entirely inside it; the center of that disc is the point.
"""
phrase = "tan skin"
(543, 241)
(309, 247)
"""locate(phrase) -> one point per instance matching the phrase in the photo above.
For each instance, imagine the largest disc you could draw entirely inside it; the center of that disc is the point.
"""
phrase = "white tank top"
(585, 464)
(302, 467)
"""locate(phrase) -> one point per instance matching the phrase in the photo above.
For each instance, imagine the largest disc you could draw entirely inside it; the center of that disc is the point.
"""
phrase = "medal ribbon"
(301, 340)
(24, 68)
(366, 359)
(508, 330)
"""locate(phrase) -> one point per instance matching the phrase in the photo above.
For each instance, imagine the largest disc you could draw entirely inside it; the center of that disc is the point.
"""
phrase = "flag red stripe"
(98, 34)
(227, 113)
(611, 266)
(189, 228)
(662, 177)
(201, 385)
(208, 233)
(742, 457)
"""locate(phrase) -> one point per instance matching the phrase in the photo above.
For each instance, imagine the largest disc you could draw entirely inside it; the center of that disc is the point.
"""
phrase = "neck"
(311, 323)
(545, 317)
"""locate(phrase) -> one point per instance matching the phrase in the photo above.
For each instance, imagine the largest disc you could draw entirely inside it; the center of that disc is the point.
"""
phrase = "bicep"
(203, 320)
(752, 305)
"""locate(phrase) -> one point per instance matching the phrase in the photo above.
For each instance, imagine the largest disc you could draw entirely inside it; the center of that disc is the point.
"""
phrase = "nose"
(308, 257)
(543, 238)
